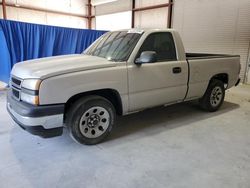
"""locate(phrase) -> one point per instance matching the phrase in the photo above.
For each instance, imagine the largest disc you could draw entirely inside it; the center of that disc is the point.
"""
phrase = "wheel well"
(222, 77)
(112, 95)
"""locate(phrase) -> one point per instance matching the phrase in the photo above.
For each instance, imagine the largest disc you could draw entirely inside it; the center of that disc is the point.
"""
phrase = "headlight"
(29, 91)
(31, 84)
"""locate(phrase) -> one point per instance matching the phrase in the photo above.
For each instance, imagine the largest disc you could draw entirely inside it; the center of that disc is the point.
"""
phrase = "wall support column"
(89, 14)
(133, 14)
(4, 9)
(170, 10)
(169, 5)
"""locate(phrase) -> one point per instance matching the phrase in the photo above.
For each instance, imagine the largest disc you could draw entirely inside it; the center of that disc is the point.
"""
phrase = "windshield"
(114, 46)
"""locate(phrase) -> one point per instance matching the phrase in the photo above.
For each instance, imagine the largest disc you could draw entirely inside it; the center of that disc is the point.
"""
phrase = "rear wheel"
(214, 96)
(90, 119)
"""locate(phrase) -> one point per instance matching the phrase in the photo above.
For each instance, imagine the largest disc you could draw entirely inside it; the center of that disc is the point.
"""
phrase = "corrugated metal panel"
(155, 18)
(145, 3)
(219, 26)
(39, 17)
(72, 6)
(242, 39)
(113, 7)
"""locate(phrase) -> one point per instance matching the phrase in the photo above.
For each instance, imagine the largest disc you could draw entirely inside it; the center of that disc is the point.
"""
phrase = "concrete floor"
(178, 146)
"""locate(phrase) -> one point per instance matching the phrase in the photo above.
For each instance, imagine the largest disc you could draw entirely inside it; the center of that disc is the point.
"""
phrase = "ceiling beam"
(151, 7)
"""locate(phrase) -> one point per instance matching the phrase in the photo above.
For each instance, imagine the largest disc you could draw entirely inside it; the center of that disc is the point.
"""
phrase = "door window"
(162, 44)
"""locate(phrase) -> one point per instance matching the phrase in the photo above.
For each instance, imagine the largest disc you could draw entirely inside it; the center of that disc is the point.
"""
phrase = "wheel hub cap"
(94, 122)
(216, 96)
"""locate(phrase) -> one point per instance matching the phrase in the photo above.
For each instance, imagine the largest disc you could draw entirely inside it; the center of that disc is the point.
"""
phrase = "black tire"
(210, 101)
(81, 126)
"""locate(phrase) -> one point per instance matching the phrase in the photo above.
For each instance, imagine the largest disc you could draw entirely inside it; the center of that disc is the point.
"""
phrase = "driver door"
(160, 82)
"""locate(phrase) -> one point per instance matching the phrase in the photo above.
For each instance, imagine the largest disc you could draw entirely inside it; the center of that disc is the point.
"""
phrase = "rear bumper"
(45, 121)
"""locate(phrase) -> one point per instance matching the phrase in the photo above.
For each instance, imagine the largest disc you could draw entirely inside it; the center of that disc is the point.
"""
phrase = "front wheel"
(90, 119)
(214, 96)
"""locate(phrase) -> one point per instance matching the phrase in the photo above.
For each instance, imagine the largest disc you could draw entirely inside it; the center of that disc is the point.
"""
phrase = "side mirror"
(146, 57)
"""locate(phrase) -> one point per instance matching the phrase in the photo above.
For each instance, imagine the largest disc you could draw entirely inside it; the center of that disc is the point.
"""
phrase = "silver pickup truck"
(120, 73)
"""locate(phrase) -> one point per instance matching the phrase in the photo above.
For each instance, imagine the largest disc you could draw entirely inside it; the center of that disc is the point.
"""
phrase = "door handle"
(176, 70)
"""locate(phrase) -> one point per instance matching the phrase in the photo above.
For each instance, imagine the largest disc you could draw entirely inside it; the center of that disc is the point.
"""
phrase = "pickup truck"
(122, 72)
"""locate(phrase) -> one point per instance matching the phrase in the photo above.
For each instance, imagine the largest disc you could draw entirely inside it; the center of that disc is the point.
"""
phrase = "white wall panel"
(28, 16)
(65, 21)
(79, 7)
(218, 26)
(39, 17)
(59, 5)
(12, 13)
(1, 12)
(36, 3)
(71, 6)
(77, 22)
(145, 3)
(113, 7)
(155, 18)
(93, 26)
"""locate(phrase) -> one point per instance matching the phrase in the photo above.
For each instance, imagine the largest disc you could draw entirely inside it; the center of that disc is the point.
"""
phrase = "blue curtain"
(23, 41)
(5, 65)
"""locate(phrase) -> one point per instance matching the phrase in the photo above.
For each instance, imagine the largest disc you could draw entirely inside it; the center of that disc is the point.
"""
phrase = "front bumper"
(45, 121)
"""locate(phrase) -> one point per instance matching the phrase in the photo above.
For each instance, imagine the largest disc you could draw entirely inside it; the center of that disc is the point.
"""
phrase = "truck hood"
(52, 66)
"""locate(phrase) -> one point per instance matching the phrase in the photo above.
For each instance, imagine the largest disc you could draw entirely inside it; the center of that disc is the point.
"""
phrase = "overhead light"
(100, 2)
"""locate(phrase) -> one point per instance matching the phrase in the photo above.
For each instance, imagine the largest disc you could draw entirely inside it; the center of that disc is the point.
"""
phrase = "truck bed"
(191, 56)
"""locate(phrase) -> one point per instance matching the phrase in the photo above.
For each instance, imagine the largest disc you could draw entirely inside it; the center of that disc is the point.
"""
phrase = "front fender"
(59, 89)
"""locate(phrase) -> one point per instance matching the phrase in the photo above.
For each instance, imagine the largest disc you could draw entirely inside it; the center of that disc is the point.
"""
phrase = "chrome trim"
(48, 122)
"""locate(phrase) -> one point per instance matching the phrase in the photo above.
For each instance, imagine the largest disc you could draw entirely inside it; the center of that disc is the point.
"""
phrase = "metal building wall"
(108, 15)
(43, 17)
(217, 26)
(113, 7)
(155, 18)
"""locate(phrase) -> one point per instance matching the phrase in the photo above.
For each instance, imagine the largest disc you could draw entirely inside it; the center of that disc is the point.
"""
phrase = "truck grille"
(16, 82)
(16, 93)
(16, 87)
